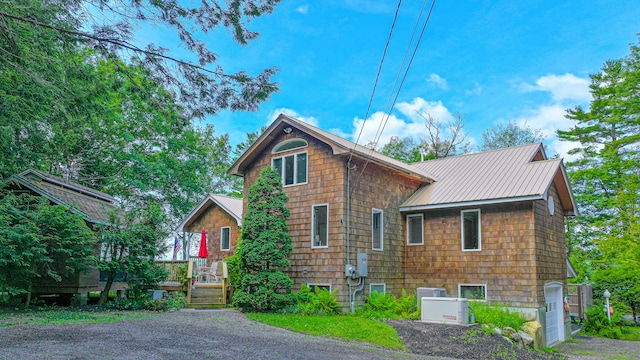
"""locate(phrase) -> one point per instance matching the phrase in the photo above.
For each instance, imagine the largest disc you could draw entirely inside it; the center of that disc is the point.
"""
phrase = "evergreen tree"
(39, 240)
(606, 175)
(265, 248)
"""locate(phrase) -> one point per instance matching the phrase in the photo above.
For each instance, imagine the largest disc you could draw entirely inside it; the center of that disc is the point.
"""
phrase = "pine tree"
(265, 248)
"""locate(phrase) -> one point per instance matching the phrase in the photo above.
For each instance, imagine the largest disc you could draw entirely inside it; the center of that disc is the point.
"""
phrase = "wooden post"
(189, 283)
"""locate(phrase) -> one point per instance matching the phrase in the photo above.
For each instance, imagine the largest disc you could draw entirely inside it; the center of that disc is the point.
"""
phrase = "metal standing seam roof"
(492, 176)
(340, 146)
(92, 204)
(231, 205)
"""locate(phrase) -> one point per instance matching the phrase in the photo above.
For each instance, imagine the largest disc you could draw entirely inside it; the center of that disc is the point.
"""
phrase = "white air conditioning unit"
(430, 292)
(445, 310)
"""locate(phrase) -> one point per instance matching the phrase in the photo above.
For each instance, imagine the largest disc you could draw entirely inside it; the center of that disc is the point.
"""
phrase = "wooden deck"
(205, 287)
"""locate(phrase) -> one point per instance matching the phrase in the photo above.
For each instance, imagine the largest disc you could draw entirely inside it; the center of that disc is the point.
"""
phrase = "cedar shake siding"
(506, 264)
(385, 190)
(551, 248)
(213, 219)
(326, 175)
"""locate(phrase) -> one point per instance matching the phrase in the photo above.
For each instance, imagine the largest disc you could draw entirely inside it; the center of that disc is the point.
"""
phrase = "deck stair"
(207, 296)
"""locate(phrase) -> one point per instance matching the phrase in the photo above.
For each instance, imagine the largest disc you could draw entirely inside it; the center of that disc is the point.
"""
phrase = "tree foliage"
(502, 136)
(110, 28)
(39, 242)
(265, 247)
(100, 121)
(130, 244)
(444, 138)
(441, 139)
(606, 174)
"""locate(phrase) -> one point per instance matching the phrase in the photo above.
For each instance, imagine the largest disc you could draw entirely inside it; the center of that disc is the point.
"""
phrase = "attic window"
(289, 145)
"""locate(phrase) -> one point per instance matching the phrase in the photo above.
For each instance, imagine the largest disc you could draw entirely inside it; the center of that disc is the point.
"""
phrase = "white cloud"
(412, 126)
(437, 81)
(303, 9)
(562, 87)
(294, 114)
(566, 91)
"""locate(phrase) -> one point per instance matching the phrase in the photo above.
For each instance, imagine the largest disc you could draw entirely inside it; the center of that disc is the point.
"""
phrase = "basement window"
(379, 288)
(472, 291)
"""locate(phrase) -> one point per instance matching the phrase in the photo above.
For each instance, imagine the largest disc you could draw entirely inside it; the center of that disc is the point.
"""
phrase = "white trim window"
(291, 168)
(225, 238)
(381, 288)
(320, 226)
(377, 229)
(415, 229)
(470, 230)
(472, 291)
(319, 286)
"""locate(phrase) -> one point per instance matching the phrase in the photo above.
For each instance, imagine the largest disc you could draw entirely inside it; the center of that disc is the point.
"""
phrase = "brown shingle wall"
(213, 220)
(325, 185)
(506, 263)
(550, 244)
(379, 188)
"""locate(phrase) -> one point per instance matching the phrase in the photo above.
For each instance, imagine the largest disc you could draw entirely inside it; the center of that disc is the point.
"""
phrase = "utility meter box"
(362, 264)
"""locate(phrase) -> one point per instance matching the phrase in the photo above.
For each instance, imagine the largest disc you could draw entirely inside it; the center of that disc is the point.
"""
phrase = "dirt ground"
(460, 342)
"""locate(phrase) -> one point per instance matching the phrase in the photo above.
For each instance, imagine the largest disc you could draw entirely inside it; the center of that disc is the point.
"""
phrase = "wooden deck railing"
(186, 275)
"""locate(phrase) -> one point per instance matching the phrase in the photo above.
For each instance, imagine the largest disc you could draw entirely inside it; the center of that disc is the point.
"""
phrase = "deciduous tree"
(502, 136)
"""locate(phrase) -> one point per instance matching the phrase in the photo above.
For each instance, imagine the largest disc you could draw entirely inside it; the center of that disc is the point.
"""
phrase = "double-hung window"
(224, 238)
(377, 227)
(292, 168)
(471, 240)
(320, 226)
(415, 228)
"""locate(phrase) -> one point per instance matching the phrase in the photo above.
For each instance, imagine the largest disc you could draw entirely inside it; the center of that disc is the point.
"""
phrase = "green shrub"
(598, 323)
(125, 304)
(496, 315)
(387, 306)
(317, 302)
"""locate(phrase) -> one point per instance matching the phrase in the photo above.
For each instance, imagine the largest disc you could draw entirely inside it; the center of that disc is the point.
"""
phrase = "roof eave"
(198, 210)
(51, 198)
(471, 203)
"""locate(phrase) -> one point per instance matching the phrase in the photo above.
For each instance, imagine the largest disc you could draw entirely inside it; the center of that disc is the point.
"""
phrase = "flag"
(176, 248)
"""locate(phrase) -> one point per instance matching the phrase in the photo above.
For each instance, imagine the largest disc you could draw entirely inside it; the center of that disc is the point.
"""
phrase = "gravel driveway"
(187, 334)
(228, 334)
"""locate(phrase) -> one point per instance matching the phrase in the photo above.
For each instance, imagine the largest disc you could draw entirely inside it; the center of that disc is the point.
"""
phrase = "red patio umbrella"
(203, 253)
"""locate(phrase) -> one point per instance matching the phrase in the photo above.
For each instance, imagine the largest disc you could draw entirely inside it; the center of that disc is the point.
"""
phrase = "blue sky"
(493, 61)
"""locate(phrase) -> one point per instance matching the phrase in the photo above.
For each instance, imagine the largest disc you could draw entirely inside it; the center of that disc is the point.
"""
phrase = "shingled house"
(221, 217)
(487, 225)
(92, 205)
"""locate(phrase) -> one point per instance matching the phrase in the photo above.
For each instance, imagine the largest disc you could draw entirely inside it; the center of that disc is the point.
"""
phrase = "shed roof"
(91, 204)
(231, 205)
(506, 175)
(339, 146)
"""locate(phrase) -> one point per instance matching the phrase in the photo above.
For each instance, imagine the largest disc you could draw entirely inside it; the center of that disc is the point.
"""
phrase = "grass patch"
(631, 333)
(66, 317)
(350, 328)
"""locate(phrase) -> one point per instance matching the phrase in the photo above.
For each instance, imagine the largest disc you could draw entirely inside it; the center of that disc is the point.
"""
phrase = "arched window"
(289, 145)
(291, 167)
